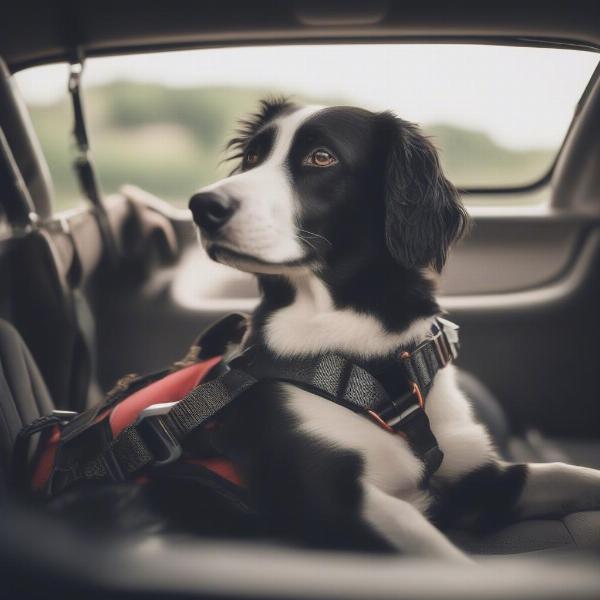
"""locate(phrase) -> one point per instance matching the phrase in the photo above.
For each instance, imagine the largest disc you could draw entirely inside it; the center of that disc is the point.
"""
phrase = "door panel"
(537, 350)
(510, 254)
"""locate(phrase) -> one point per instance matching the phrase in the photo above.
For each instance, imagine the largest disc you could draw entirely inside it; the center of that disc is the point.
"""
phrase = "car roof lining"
(55, 30)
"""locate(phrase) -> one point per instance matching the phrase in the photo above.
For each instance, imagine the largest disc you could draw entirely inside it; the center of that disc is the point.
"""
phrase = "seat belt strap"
(19, 205)
(83, 165)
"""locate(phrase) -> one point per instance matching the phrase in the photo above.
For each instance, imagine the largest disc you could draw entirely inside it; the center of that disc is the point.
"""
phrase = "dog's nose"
(211, 210)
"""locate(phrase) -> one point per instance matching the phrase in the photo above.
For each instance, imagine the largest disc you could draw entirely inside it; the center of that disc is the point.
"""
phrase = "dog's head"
(317, 184)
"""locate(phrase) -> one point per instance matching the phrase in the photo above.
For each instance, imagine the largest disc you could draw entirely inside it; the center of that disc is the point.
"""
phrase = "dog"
(345, 217)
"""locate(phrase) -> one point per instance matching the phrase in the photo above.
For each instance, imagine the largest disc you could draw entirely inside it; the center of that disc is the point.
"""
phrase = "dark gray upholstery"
(23, 393)
(582, 452)
(532, 445)
(579, 530)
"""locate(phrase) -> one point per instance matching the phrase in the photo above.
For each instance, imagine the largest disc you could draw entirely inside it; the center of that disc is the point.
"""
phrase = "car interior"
(101, 289)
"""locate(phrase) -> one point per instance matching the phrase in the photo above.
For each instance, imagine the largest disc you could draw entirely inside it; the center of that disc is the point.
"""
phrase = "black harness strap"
(143, 443)
(423, 363)
(329, 375)
(205, 401)
(396, 404)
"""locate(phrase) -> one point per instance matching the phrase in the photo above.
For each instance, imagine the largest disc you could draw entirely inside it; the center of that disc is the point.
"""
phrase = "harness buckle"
(440, 348)
(416, 391)
(389, 423)
(64, 416)
(380, 421)
(155, 434)
(450, 335)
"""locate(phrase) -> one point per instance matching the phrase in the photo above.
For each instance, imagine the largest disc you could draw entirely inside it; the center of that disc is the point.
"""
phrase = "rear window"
(498, 114)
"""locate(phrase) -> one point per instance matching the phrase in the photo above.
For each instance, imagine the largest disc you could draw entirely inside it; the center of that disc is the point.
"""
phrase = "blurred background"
(161, 121)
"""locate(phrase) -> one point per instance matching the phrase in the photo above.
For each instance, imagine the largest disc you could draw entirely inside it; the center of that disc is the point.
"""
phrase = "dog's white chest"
(389, 463)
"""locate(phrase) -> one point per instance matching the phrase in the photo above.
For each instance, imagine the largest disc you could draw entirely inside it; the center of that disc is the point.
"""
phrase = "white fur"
(403, 526)
(311, 324)
(264, 227)
(466, 443)
(557, 488)
(388, 461)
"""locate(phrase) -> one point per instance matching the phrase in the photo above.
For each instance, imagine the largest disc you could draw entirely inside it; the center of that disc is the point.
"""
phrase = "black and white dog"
(345, 216)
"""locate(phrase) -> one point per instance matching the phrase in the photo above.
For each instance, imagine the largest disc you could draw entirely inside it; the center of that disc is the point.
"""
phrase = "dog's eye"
(320, 158)
(251, 158)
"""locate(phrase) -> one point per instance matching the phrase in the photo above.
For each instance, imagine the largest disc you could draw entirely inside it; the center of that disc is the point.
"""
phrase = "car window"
(497, 113)
(45, 92)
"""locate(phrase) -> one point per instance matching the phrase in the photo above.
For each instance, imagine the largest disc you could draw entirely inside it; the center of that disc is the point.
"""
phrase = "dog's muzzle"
(211, 211)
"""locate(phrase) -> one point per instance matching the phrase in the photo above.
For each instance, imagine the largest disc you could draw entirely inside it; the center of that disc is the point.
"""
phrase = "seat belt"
(19, 205)
(83, 165)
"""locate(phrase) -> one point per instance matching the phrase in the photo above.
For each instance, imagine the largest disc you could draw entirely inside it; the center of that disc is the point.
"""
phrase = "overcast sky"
(522, 97)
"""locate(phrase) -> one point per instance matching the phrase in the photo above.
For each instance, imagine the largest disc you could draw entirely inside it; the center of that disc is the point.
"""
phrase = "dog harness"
(146, 425)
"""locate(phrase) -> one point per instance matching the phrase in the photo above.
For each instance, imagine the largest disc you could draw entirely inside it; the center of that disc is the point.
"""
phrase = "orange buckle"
(416, 392)
(414, 387)
(379, 421)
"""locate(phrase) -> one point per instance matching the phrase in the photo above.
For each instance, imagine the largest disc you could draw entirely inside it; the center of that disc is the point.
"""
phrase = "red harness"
(119, 439)
(171, 388)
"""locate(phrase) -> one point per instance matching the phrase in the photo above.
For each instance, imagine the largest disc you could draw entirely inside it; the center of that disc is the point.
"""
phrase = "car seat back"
(23, 394)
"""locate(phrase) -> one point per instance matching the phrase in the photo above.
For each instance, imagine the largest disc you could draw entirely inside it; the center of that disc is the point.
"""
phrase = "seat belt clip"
(450, 330)
(156, 436)
(64, 416)
(390, 422)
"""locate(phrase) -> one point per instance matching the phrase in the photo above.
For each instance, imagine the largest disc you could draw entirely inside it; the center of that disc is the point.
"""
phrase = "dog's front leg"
(405, 528)
(558, 489)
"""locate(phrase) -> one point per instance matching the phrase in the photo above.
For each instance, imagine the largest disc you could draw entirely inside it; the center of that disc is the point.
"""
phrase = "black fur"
(485, 498)
(301, 488)
(269, 109)
(424, 215)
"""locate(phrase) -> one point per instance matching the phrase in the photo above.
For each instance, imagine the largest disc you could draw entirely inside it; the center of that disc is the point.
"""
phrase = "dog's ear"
(423, 211)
